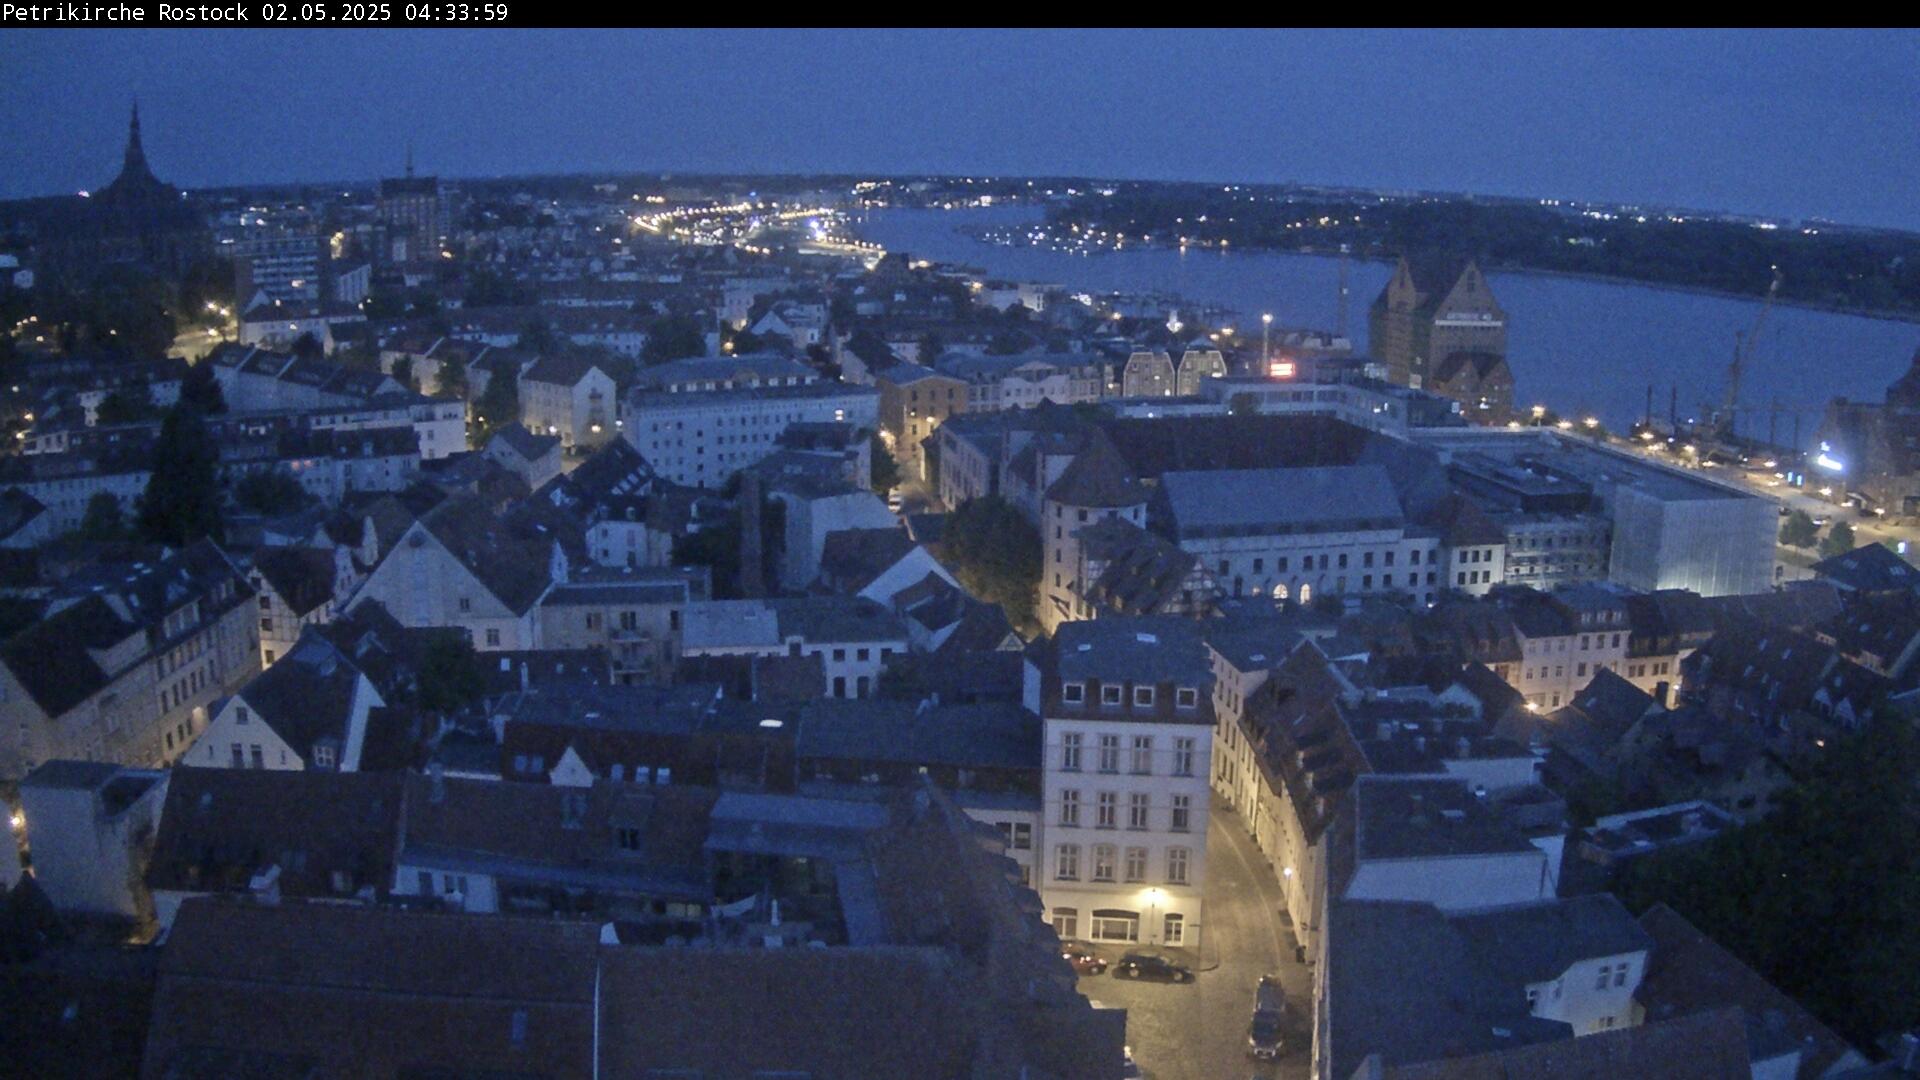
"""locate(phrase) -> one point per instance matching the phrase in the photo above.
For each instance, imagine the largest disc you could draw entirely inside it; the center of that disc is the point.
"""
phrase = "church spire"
(136, 159)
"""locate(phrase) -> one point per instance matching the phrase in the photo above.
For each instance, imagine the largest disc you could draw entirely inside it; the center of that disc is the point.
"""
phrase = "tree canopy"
(996, 554)
(1823, 896)
(182, 500)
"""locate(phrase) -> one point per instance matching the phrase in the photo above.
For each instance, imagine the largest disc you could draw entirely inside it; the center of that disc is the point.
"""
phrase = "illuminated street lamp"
(1266, 333)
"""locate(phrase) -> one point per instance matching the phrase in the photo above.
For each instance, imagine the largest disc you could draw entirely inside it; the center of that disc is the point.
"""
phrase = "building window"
(1176, 933)
(1176, 866)
(1137, 810)
(1606, 975)
(1182, 808)
(1142, 755)
(240, 714)
(1143, 697)
(1110, 695)
(1104, 811)
(1066, 923)
(1136, 865)
(1109, 753)
(1187, 697)
(1069, 807)
(1074, 693)
(1022, 836)
(1183, 756)
(1066, 862)
(323, 757)
(1103, 862)
(1070, 751)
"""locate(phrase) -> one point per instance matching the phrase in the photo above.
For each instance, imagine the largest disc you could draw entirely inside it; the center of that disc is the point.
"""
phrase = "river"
(1581, 347)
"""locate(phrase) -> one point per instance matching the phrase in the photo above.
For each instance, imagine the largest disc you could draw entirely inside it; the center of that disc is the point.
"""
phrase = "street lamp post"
(1266, 333)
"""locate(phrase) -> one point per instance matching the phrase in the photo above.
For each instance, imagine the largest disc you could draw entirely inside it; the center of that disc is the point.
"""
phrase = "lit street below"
(1198, 1031)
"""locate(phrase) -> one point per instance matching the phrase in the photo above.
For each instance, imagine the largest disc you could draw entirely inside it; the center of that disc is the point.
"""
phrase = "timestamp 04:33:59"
(444, 12)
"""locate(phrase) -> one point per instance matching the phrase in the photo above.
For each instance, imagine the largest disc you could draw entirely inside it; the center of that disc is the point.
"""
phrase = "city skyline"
(1782, 124)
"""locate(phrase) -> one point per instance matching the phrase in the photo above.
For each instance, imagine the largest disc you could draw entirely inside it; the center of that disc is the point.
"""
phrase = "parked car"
(1158, 969)
(1265, 1038)
(1083, 959)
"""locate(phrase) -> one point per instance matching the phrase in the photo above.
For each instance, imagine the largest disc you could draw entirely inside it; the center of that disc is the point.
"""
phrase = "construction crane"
(1743, 341)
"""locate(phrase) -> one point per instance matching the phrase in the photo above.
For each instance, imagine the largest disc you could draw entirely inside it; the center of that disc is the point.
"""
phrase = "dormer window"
(1110, 695)
(1186, 697)
(1143, 696)
(1074, 693)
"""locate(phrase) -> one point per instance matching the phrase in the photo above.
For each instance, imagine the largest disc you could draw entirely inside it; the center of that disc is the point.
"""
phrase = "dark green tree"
(996, 554)
(672, 337)
(1798, 530)
(1839, 540)
(270, 492)
(104, 519)
(1822, 896)
(201, 392)
(182, 500)
(885, 470)
(307, 347)
(497, 407)
(129, 406)
(451, 676)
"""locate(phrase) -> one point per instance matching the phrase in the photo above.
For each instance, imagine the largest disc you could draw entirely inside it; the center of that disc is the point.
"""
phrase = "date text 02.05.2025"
(378, 12)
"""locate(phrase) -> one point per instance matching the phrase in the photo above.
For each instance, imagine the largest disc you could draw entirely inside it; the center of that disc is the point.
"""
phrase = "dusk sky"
(1791, 123)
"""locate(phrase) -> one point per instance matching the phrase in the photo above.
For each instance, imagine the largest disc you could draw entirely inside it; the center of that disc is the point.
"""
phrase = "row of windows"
(1140, 753)
(1109, 864)
(1075, 693)
(1106, 810)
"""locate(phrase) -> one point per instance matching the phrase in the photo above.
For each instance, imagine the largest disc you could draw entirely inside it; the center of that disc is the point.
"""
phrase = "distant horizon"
(1787, 124)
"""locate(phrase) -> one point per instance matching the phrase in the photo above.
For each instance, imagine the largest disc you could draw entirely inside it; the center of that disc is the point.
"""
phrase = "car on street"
(1083, 959)
(1265, 1039)
(1152, 968)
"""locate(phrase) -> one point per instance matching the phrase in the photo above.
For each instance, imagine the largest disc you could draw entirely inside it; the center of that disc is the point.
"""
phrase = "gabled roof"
(1870, 568)
(301, 577)
(513, 564)
(306, 697)
(852, 558)
(1097, 477)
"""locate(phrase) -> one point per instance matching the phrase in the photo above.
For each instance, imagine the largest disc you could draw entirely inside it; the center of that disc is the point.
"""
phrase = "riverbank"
(1509, 268)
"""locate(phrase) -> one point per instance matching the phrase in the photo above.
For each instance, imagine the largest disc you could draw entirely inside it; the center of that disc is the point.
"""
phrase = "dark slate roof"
(994, 735)
(219, 827)
(523, 442)
(565, 369)
(851, 558)
(303, 577)
(1538, 942)
(1704, 1046)
(1144, 572)
(73, 775)
(1690, 973)
(1312, 497)
(1097, 478)
(513, 563)
(1458, 1006)
(1416, 819)
(316, 989)
(307, 696)
(53, 661)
